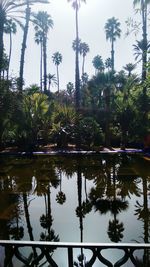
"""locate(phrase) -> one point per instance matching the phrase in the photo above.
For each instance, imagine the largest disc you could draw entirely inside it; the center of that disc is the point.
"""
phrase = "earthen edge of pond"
(73, 152)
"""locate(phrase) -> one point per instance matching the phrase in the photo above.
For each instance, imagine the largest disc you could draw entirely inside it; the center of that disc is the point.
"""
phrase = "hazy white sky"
(92, 18)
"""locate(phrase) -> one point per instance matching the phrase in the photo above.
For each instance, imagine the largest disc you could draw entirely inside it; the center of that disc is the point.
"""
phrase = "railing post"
(70, 257)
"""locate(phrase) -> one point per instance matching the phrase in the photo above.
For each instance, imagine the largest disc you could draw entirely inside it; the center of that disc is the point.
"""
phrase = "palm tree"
(112, 29)
(38, 40)
(4, 67)
(51, 80)
(84, 49)
(57, 59)
(43, 22)
(9, 28)
(98, 64)
(138, 50)
(129, 68)
(7, 10)
(28, 4)
(76, 6)
(76, 46)
(108, 63)
(144, 13)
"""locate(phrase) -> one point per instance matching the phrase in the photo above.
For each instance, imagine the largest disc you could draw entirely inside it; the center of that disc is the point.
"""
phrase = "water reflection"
(114, 188)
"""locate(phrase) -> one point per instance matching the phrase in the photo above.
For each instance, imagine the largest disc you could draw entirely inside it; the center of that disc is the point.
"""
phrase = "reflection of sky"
(66, 224)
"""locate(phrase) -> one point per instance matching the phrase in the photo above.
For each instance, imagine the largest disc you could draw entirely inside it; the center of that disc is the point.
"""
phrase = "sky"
(92, 18)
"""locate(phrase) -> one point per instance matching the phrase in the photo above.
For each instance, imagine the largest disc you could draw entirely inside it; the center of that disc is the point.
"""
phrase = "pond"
(98, 199)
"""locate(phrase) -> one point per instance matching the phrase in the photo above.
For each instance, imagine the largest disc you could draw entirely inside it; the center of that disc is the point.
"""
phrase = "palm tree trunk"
(27, 216)
(83, 63)
(28, 12)
(144, 60)
(57, 78)
(45, 63)
(41, 68)
(77, 75)
(79, 187)
(10, 49)
(107, 112)
(112, 55)
(144, 30)
(2, 18)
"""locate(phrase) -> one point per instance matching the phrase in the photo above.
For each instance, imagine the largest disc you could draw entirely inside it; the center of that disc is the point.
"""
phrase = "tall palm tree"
(75, 45)
(51, 80)
(7, 11)
(98, 64)
(43, 22)
(112, 30)
(39, 41)
(144, 13)
(84, 49)
(28, 4)
(57, 59)
(108, 64)
(4, 67)
(9, 28)
(138, 52)
(76, 6)
(129, 68)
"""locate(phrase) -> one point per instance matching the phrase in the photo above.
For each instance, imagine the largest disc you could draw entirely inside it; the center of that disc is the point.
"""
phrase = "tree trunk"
(2, 18)
(41, 68)
(27, 216)
(24, 42)
(45, 63)
(144, 60)
(77, 75)
(57, 78)
(10, 49)
(112, 55)
(144, 33)
(107, 122)
(83, 63)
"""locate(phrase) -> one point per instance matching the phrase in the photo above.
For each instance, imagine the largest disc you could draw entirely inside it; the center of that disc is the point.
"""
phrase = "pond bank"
(68, 151)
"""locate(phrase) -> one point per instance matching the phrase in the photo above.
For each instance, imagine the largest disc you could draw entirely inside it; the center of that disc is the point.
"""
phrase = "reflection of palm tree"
(109, 202)
(79, 213)
(27, 216)
(143, 213)
(46, 220)
(60, 197)
(82, 209)
(115, 230)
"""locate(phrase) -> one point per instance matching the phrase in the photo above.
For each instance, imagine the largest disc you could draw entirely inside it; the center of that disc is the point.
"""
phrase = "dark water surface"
(102, 198)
